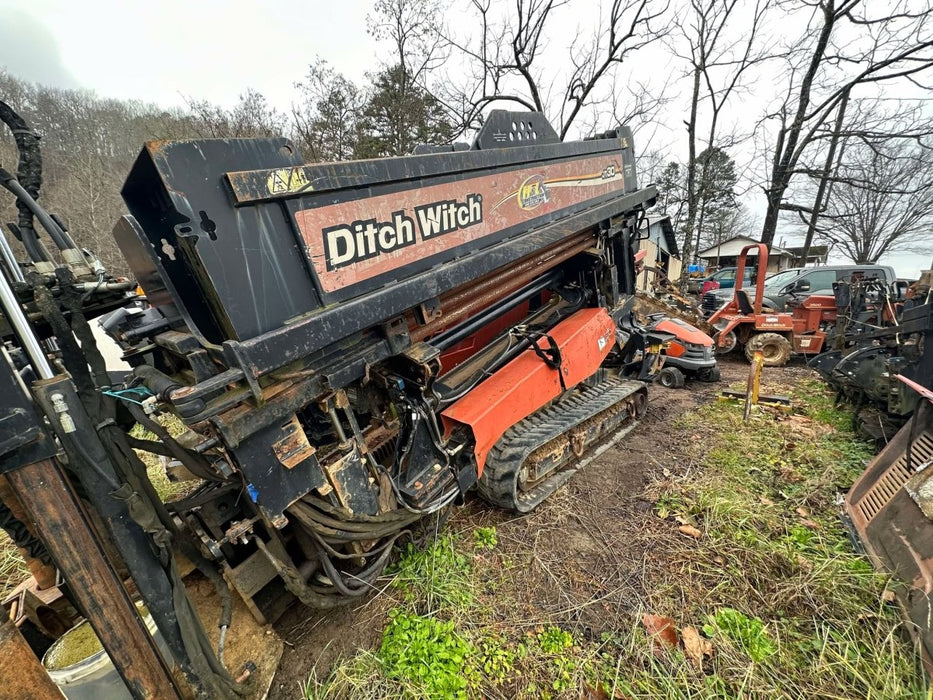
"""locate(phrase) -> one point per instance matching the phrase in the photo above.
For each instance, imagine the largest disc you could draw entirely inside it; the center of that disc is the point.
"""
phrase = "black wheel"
(671, 377)
(728, 345)
(775, 349)
(710, 374)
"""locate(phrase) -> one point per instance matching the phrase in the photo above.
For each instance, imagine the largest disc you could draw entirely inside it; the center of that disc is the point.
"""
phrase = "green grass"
(13, 570)
(772, 584)
(166, 489)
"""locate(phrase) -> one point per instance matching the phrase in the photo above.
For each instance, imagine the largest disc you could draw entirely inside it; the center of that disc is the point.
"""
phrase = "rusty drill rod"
(48, 498)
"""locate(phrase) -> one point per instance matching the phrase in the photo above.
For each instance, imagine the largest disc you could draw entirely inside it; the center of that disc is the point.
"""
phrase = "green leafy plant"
(427, 652)
(438, 574)
(485, 538)
(746, 632)
(554, 640)
(494, 658)
(557, 643)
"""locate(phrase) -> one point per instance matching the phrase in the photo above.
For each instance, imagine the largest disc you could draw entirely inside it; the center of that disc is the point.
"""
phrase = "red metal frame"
(802, 326)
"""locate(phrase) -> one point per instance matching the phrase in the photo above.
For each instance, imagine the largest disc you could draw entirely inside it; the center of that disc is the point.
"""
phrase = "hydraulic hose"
(62, 240)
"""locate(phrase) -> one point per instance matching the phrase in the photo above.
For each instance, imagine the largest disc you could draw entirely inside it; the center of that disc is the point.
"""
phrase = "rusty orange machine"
(777, 335)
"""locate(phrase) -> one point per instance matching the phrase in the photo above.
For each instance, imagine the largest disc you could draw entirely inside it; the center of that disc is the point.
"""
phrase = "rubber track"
(499, 480)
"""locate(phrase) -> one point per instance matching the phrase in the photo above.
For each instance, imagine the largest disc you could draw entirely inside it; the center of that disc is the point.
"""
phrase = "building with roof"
(817, 255)
(661, 252)
(726, 254)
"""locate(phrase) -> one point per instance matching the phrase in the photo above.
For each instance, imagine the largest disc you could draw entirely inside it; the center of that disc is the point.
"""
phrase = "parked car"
(798, 283)
(721, 279)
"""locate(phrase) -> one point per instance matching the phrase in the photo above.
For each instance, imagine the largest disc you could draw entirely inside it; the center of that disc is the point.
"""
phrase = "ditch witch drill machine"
(351, 347)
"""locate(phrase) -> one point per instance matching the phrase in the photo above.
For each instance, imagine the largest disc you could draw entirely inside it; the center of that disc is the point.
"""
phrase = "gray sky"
(161, 51)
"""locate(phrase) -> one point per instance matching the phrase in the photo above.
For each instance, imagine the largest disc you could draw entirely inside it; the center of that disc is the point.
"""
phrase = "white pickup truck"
(798, 283)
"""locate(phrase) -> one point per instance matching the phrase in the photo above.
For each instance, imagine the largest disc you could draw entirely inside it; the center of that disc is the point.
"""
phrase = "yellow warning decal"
(287, 181)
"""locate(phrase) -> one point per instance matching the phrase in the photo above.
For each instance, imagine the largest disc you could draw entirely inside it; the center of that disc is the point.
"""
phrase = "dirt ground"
(584, 550)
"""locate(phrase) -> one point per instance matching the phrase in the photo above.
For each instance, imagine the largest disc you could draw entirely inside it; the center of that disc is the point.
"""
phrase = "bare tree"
(326, 120)
(881, 200)
(847, 44)
(505, 61)
(722, 47)
(252, 116)
(412, 28)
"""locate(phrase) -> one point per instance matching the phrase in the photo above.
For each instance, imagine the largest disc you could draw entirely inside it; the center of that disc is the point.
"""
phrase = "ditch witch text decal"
(346, 244)
(350, 242)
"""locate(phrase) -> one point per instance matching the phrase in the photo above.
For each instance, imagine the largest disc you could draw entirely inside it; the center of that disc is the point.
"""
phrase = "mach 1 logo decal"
(533, 192)
(346, 244)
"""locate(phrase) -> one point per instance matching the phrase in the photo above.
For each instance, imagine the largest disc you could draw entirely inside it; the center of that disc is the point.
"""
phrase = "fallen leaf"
(690, 531)
(695, 646)
(685, 520)
(802, 512)
(790, 474)
(661, 630)
(888, 596)
(767, 501)
(591, 693)
(806, 522)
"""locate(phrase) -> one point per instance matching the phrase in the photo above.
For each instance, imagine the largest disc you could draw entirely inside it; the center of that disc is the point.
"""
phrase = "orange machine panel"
(527, 383)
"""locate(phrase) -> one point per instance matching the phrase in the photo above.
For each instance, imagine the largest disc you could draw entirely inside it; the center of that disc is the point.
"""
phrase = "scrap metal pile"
(877, 338)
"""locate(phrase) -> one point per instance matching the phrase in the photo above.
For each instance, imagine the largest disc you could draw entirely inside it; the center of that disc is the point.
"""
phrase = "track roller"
(540, 453)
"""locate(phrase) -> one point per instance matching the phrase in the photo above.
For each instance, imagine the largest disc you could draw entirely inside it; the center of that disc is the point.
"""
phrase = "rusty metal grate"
(894, 478)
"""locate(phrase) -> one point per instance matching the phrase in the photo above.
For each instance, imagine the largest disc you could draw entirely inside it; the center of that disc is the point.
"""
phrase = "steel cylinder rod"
(7, 254)
(17, 319)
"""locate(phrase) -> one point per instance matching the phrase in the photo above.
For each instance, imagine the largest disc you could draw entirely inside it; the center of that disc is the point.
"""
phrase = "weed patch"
(427, 652)
(746, 632)
(436, 576)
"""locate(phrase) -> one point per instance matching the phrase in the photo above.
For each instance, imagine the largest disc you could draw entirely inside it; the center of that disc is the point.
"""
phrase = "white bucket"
(94, 677)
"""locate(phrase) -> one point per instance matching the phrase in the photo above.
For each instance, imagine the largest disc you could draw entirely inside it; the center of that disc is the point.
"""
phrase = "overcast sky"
(164, 50)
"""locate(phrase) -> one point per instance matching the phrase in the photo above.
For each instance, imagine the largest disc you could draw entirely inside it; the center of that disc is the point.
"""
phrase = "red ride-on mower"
(689, 353)
(776, 334)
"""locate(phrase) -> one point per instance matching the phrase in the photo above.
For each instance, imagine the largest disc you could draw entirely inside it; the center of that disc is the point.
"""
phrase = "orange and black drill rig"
(351, 348)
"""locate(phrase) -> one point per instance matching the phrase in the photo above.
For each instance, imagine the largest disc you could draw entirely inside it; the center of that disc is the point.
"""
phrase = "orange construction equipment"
(776, 334)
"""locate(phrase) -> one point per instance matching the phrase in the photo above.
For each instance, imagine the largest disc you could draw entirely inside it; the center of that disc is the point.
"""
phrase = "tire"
(671, 378)
(775, 349)
(729, 346)
(710, 374)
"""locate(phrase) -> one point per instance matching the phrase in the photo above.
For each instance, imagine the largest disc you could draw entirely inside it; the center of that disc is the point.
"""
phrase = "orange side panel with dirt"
(527, 383)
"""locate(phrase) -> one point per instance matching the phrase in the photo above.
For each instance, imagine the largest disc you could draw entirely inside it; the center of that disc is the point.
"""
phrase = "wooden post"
(754, 384)
(48, 499)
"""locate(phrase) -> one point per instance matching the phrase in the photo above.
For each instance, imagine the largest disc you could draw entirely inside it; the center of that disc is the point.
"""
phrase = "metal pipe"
(532, 262)
(7, 253)
(454, 335)
(20, 323)
(494, 288)
(62, 240)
